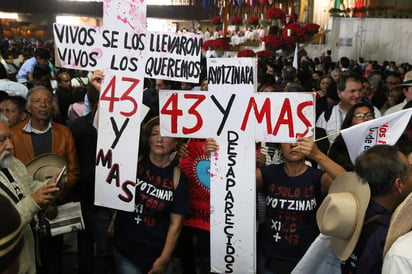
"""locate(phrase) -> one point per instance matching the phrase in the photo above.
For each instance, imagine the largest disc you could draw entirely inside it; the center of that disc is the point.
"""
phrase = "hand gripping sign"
(237, 117)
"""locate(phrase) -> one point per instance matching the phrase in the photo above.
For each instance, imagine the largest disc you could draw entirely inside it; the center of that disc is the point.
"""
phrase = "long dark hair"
(347, 122)
(338, 151)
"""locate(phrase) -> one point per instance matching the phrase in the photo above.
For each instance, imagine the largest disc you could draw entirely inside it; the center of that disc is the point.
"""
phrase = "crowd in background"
(348, 92)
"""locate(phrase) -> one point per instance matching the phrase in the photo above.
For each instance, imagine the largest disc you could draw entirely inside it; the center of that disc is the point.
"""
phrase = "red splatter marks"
(124, 20)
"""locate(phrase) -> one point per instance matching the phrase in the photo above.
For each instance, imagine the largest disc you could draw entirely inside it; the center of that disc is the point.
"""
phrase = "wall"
(372, 38)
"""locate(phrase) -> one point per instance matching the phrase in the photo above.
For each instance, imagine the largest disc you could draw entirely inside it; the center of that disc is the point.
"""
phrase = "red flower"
(221, 43)
(275, 13)
(236, 20)
(217, 20)
(288, 42)
(311, 27)
(254, 20)
(273, 42)
(335, 10)
(297, 31)
(265, 54)
(246, 53)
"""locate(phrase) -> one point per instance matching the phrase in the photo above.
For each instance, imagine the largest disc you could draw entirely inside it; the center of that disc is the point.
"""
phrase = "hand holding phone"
(59, 178)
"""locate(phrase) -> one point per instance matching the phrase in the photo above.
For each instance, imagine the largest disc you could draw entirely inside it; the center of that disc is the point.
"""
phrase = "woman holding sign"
(145, 239)
(293, 193)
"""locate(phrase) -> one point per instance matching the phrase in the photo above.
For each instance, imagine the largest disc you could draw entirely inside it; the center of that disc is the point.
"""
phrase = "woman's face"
(324, 84)
(290, 154)
(362, 114)
(160, 145)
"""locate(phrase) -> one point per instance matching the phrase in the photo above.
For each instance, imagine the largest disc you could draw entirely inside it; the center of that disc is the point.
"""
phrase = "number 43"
(175, 112)
(125, 97)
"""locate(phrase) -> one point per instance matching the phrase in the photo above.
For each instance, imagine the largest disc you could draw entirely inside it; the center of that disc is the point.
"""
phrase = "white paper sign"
(174, 56)
(380, 131)
(273, 117)
(232, 113)
(170, 56)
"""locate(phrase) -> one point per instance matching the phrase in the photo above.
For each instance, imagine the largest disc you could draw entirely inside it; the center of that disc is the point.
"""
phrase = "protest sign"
(230, 113)
(385, 130)
(170, 56)
(273, 117)
(174, 56)
(120, 48)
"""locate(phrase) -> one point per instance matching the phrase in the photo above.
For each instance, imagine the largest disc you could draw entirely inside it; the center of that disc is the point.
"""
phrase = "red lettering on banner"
(111, 86)
(128, 192)
(302, 117)
(259, 115)
(174, 112)
(125, 96)
(286, 110)
(200, 98)
(382, 134)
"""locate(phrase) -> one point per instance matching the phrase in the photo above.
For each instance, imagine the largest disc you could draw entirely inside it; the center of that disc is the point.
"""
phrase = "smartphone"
(59, 178)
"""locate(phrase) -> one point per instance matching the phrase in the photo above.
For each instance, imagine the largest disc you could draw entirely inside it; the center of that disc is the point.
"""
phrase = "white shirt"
(399, 257)
(333, 125)
(395, 108)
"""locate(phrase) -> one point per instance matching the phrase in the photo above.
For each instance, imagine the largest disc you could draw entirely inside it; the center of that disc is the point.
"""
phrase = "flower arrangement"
(254, 20)
(289, 42)
(265, 54)
(311, 28)
(275, 13)
(236, 20)
(297, 31)
(246, 53)
(273, 42)
(335, 12)
(219, 44)
(216, 20)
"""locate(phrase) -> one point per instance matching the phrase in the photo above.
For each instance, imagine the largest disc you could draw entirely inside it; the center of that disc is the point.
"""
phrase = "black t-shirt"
(290, 219)
(140, 235)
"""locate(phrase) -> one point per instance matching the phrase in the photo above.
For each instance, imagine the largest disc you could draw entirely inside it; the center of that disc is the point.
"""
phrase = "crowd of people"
(47, 110)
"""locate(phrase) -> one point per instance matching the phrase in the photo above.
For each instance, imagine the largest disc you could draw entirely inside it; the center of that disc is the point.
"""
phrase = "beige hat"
(407, 81)
(401, 223)
(342, 213)
(45, 166)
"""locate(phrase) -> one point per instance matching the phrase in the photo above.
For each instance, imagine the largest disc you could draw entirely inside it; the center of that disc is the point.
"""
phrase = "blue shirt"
(26, 68)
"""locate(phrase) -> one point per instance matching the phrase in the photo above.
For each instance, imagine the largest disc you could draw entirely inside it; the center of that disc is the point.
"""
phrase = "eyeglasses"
(362, 115)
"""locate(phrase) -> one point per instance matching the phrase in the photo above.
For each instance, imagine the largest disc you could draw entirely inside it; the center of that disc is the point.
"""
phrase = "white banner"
(380, 131)
(272, 117)
(170, 56)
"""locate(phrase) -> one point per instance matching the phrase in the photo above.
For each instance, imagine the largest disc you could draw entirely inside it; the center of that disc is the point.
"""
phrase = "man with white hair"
(28, 196)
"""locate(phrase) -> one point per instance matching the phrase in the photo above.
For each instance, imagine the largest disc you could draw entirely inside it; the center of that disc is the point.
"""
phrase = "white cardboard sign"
(232, 113)
(170, 56)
